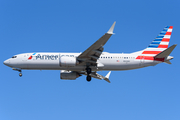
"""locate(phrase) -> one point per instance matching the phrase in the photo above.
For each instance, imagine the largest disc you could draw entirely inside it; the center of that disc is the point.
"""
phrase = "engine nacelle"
(69, 75)
(68, 61)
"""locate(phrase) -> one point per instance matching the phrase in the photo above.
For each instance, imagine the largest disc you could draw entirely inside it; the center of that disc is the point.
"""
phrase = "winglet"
(106, 78)
(111, 29)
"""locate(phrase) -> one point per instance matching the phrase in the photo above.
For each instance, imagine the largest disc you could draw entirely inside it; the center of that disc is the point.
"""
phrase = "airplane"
(93, 59)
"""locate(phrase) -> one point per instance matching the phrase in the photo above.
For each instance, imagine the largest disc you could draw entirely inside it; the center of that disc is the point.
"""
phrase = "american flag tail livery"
(158, 49)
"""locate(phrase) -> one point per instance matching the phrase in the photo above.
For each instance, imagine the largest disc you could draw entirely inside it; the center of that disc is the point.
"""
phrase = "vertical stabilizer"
(159, 44)
(162, 40)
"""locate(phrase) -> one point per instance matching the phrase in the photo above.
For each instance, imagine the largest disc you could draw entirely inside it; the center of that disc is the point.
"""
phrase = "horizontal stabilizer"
(168, 62)
(166, 52)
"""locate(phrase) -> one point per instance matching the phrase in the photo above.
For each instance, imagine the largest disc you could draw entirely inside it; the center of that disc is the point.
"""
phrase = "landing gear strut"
(20, 74)
(88, 70)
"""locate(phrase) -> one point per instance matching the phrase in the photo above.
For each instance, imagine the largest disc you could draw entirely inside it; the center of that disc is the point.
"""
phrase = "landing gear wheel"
(88, 70)
(88, 78)
(20, 74)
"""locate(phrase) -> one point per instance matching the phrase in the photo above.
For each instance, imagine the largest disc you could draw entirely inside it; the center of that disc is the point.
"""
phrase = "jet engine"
(68, 61)
(69, 75)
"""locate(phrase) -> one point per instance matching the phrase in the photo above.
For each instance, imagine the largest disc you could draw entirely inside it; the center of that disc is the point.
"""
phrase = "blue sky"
(150, 93)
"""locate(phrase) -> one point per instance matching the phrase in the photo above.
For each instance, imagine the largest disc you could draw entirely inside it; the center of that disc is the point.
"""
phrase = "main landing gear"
(88, 70)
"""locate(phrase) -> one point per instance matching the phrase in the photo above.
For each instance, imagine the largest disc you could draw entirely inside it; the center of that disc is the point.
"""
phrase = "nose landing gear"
(20, 74)
(19, 70)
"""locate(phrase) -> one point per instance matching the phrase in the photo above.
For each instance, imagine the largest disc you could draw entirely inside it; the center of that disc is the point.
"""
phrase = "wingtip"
(110, 31)
(107, 76)
(107, 80)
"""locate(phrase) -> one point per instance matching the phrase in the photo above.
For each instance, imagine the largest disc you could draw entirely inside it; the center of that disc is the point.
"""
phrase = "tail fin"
(160, 43)
(162, 40)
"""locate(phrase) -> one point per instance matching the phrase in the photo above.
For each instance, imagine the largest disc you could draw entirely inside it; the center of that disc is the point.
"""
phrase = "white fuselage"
(73, 65)
(51, 61)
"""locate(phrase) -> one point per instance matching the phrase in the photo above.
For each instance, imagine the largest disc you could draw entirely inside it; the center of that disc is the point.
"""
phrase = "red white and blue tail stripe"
(162, 40)
(159, 44)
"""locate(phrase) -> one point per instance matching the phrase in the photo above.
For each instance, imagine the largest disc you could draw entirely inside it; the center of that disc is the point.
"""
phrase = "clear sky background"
(151, 93)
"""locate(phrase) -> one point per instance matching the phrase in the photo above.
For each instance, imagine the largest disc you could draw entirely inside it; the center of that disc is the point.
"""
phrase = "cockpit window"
(14, 56)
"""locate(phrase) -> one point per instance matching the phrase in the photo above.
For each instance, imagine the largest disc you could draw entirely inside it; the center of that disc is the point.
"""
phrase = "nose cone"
(6, 62)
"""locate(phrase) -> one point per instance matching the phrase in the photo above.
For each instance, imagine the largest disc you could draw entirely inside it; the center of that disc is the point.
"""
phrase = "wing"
(89, 56)
(98, 76)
